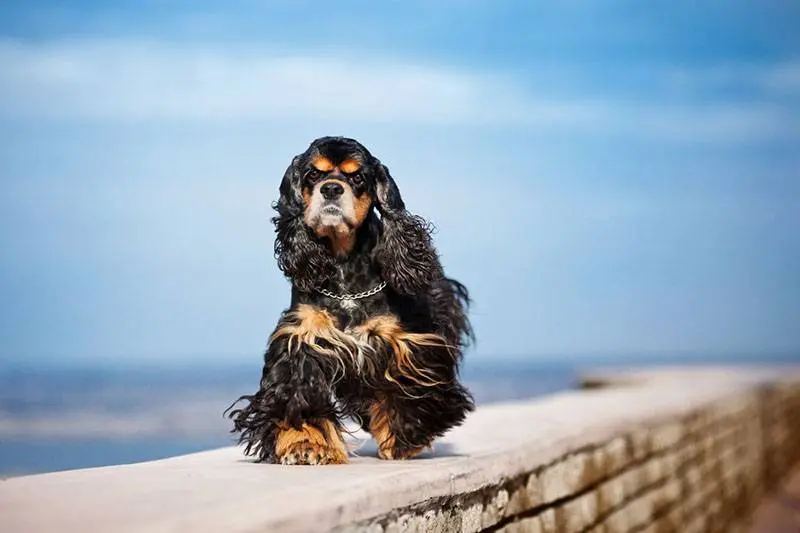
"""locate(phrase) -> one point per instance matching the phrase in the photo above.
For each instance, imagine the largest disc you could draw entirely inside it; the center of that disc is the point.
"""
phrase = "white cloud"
(151, 80)
(142, 80)
(776, 80)
(784, 78)
(723, 122)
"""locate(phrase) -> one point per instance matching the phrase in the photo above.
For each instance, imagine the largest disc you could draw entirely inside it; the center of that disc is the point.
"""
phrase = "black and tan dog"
(375, 330)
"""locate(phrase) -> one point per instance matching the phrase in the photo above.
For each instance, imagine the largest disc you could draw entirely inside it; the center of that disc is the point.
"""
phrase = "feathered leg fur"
(292, 418)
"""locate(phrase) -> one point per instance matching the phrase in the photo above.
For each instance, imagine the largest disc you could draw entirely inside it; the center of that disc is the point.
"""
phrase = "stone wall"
(658, 451)
(701, 471)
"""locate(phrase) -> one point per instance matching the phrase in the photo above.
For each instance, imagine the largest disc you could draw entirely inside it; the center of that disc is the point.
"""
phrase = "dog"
(375, 331)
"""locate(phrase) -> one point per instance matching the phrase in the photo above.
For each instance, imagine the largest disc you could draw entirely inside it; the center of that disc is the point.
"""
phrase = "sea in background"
(65, 417)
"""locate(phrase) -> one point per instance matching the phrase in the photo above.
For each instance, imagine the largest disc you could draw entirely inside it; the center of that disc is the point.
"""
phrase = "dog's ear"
(405, 254)
(301, 257)
(388, 199)
(290, 188)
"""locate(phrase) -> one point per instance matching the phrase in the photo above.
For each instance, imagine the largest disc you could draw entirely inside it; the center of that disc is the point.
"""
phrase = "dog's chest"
(348, 305)
(350, 312)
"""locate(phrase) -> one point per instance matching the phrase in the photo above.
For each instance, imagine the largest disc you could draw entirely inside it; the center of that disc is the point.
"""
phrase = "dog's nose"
(331, 190)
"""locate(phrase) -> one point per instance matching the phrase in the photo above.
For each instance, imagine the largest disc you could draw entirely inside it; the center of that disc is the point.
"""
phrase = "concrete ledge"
(675, 449)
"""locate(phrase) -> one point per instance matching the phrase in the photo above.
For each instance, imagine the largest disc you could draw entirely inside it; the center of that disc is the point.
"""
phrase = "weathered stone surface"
(535, 490)
(614, 456)
(564, 478)
(640, 442)
(525, 525)
(666, 436)
(580, 513)
(494, 510)
(548, 521)
(610, 495)
(685, 451)
(471, 519)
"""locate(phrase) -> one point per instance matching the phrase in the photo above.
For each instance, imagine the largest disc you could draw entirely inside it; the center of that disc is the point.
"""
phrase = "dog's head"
(337, 183)
(326, 195)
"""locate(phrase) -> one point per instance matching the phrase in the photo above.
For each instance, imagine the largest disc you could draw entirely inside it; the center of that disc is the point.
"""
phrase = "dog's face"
(327, 193)
(337, 185)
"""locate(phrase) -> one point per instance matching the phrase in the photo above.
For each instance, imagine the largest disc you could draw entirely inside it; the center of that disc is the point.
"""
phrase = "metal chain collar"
(357, 296)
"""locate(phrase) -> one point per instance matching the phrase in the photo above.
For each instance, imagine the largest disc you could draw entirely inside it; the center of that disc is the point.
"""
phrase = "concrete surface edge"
(651, 450)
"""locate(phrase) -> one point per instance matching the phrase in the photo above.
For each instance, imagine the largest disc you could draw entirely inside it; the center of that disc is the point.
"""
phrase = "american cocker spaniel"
(375, 330)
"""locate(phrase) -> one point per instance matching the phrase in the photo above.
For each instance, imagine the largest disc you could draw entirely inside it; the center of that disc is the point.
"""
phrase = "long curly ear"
(388, 195)
(406, 255)
(301, 257)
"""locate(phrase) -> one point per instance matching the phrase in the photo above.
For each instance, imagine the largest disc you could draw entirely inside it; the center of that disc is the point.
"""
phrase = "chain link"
(357, 296)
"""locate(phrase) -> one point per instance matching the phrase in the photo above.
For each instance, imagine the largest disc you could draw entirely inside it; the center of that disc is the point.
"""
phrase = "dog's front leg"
(292, 419)
(406, 420)
(420, 397)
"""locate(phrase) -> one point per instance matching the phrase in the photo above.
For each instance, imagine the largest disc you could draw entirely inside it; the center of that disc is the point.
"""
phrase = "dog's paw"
(400, 452)
(308, 453)
(311, 445)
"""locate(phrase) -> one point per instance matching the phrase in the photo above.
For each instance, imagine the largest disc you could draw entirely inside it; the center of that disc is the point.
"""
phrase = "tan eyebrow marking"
(348, 166)
(322, 163)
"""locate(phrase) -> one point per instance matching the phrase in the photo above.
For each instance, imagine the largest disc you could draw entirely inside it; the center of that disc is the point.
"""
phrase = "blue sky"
(605, 177)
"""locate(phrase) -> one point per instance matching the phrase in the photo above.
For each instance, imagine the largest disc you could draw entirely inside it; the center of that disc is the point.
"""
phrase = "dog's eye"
(314, 175)
(357, 178)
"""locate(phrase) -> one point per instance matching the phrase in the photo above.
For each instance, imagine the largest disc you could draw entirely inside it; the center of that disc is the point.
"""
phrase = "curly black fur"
(292, 391)
(301, 256)
(408, 260)
(301, 385)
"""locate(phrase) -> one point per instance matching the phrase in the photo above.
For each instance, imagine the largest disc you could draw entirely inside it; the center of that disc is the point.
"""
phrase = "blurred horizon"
(605, 178)
(253, 362)
(58, 418)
